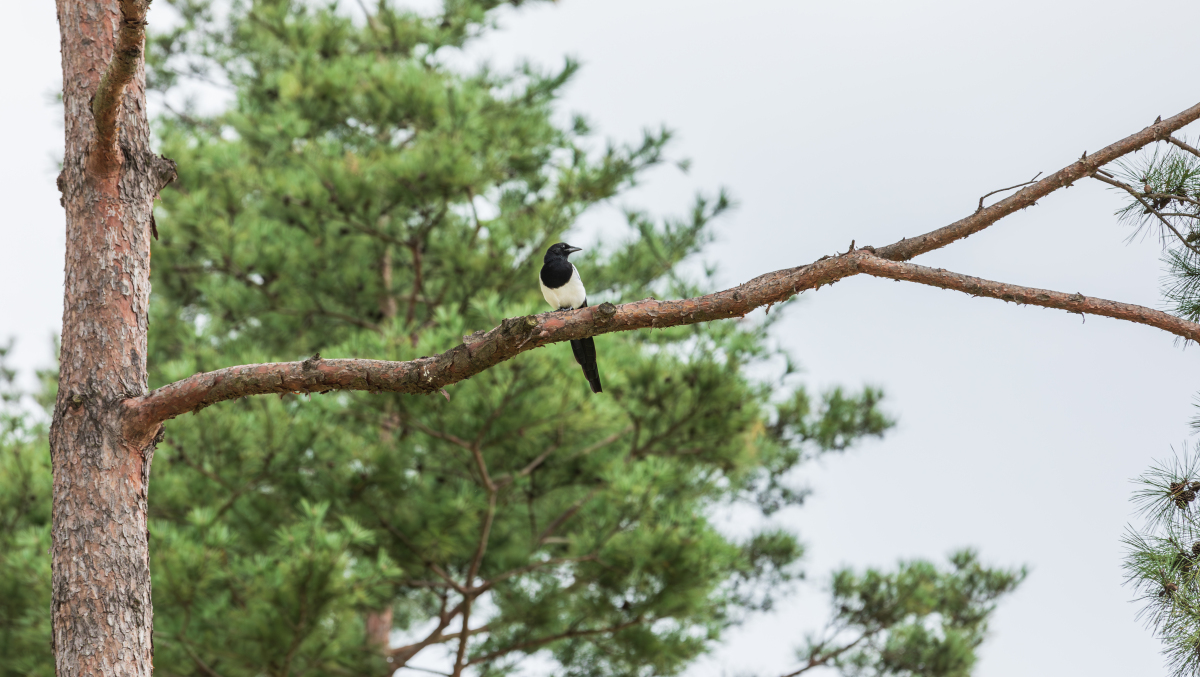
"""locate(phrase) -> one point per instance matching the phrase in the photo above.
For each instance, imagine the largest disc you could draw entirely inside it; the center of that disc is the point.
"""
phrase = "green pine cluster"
(1165, 199)
(24, 535)
(360, 198)
(1163, 557)
(1161, 186)
(918, 621)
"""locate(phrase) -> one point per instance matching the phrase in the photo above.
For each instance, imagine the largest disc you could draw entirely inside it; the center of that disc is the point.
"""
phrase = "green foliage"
(1167, 179)
(24, 537)
(1161, 558)
(916, 621)
(1160, 554)
(362, 200)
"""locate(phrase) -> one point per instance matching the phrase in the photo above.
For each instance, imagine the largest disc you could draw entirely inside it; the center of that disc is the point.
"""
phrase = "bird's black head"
(560, 251)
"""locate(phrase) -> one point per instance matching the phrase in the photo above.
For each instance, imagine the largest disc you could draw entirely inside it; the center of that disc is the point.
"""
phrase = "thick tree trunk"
(101, 573)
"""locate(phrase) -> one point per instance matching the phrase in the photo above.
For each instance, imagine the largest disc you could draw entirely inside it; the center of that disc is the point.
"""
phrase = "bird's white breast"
(570, 295)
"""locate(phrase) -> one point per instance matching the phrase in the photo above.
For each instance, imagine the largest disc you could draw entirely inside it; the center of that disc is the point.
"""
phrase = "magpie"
(564, 291)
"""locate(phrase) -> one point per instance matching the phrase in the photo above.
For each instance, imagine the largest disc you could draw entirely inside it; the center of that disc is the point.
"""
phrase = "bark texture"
(101, 575)
(482, 350)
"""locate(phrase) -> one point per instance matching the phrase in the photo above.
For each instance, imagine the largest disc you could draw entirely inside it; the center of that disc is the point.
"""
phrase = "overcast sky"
(1020, 428)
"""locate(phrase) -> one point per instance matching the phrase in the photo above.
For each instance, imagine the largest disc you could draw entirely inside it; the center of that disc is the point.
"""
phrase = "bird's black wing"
(585, 355)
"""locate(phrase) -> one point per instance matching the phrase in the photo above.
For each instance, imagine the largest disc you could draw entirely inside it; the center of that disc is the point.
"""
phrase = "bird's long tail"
(585, 355)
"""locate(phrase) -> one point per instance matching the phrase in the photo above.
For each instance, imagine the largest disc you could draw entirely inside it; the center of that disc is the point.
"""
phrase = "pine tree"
(918, 621)
(360, 199)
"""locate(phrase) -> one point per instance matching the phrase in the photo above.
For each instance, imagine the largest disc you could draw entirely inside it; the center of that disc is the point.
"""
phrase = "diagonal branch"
(1074, 303)
(483, 350)
(106, 103)
(1026, 197)
(1002, 190)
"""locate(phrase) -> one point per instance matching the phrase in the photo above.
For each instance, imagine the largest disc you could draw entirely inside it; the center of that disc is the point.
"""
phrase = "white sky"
(867, 120)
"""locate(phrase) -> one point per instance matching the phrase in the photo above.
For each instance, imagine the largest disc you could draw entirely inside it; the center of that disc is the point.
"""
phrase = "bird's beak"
(572, 250)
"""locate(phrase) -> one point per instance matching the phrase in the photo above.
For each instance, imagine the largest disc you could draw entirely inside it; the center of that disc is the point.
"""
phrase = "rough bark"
(514, 336)
(101, 611)
(1086, 166)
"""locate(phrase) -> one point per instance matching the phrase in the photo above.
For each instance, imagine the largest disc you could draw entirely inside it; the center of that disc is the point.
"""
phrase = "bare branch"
(483, 350)
(110, 94)
(1001, 190)
(909, 248)
(1075, 303)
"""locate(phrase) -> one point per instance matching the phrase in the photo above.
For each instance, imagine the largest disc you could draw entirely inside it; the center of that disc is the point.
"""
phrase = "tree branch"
(1183, 145)
(1026, 197)
(483, 350)
(1001, 190)
(1075, 303)
(110, 94)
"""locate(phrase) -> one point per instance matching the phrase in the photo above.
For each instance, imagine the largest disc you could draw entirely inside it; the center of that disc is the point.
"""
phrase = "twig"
(911, 247)
(1001, 190)
(1149, 208)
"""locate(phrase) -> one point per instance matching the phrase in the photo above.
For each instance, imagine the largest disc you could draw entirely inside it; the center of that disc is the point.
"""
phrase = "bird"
(563, 290)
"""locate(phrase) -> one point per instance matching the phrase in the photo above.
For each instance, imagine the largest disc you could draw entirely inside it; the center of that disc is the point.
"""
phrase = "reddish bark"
(1086, 166)
(101, 577)
(484, 350)
(1073, 303)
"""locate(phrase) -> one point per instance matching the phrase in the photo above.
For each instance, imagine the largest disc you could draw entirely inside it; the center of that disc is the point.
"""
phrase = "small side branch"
(1026, 197)
(1075, 303)
(1001, 190)
(106, 104)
